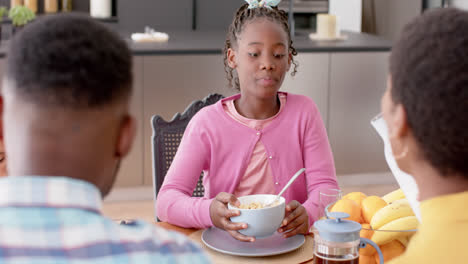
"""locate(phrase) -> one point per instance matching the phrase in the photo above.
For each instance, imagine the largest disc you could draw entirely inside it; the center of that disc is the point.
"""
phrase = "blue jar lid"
(335, 229)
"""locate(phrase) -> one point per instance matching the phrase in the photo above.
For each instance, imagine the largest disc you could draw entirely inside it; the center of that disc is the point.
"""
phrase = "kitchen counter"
(213, 43)
(195, 42)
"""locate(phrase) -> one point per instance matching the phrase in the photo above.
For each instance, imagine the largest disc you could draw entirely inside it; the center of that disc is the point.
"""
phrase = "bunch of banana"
(393, 196)
(388, 231)
(396, 209)
(404, 240)
(396, 216)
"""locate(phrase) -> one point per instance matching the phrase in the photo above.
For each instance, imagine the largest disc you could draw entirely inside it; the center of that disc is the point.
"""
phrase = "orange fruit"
(361, 220)
(348, 206)
(370, 205)
(356, 196)
(365, 233)
(366, 259)
(390, 251)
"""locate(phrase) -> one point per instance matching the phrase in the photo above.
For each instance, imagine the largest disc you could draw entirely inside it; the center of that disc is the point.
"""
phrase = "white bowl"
(260, 222)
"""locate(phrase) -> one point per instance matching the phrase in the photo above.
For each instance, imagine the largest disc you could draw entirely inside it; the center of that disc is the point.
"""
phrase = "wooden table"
(143, 210)
(167, 226)
(189, 231)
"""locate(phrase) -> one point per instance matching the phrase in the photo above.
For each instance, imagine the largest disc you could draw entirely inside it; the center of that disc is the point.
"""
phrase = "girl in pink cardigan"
(252, 142)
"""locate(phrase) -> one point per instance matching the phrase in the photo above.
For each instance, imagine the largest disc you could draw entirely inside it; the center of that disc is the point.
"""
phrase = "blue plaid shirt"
(58, 220)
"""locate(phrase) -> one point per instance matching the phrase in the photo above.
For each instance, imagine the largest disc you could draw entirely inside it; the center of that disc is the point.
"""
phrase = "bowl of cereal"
(261, 221)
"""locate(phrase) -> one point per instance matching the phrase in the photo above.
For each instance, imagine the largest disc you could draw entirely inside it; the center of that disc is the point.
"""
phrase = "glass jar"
(31, 4)
(335, 252)
(50, 6)
(67, 6)
(338, 241)
(14, 3)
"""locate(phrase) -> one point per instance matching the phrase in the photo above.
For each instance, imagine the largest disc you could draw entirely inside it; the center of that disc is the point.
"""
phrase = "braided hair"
(244, 15)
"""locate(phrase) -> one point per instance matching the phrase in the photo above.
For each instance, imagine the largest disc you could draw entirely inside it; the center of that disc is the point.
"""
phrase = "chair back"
(166, 139)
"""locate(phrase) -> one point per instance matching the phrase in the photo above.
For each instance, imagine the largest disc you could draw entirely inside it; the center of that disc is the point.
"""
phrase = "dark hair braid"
(244, 15)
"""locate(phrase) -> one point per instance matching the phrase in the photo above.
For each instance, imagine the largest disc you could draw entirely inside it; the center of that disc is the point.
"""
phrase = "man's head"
(65, 100)
(427, 98)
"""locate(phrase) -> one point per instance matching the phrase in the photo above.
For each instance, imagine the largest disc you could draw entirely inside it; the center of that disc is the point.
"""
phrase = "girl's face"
(261, 58)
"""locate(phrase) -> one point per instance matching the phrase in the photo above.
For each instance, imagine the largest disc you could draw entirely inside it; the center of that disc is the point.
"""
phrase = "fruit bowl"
(389, 221)
(386, 236)
(395, 244)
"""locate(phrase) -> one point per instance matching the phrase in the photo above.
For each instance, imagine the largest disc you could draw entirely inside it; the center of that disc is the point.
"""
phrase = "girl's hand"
(220, 215)
(296, 220)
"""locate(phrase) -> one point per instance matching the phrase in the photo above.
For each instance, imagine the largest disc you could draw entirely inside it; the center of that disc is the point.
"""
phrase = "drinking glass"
(326, 197)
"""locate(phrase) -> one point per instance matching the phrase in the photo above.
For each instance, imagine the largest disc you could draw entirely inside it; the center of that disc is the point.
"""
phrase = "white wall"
(392, 15)
(348, 13)
(463, 4)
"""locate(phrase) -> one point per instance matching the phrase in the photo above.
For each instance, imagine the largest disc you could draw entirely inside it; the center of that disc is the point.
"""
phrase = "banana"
(404, 240)
(381, 236)
(392, 196)
(397, 209)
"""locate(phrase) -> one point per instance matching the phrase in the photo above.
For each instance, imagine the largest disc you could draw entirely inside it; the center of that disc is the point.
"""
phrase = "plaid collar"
(54, 192)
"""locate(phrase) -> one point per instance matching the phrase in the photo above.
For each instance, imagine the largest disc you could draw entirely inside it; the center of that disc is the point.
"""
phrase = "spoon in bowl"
(299, 172)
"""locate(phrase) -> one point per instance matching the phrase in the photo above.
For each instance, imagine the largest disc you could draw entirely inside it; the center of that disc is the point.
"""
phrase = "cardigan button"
(276, 183)
(270, 157)
(258, 133)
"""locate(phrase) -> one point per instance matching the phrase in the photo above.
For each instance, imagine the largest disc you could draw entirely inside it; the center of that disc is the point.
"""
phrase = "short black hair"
(429, 70)
(69, 60)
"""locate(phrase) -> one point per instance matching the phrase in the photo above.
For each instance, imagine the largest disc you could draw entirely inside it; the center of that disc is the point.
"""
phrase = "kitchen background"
(347, 96)
(381, 17)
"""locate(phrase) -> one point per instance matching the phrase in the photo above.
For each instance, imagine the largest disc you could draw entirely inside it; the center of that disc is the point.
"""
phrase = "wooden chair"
(166, 139)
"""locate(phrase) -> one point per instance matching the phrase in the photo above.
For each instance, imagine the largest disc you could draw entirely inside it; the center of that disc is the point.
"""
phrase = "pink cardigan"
(221, 147)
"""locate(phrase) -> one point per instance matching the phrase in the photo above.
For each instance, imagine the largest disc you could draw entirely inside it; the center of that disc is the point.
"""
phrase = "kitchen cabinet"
(164, 15)
(215, 14)
(357, 83)
(311, 80)
(131, 169)
(171, 83)
(161, 15)
(177, 15)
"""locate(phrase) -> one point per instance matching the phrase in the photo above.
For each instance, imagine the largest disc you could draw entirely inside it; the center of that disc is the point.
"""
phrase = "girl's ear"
(290, 57)
(231, 58)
